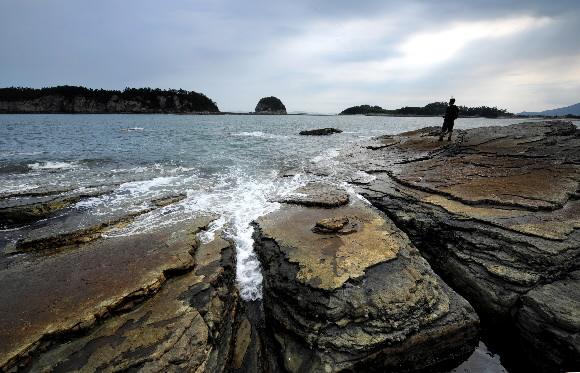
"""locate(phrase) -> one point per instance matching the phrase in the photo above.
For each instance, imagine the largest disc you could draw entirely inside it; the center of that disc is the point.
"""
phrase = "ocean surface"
(226, 165)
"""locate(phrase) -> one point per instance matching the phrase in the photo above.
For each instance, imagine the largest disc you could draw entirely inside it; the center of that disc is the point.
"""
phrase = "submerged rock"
(360, 301)
(16, 210)
(320, 132)
(496, 213)
(270, 105)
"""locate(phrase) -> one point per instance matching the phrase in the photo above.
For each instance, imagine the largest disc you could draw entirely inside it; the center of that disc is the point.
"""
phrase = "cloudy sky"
(316, 55)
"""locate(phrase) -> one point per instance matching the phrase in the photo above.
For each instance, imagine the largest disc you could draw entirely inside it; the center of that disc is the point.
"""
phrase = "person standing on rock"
(451, 114)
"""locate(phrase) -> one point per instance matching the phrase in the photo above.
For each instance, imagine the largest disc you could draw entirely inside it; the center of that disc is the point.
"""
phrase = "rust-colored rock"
(337, 225)
(496, 213)
(65, 293)
(359, 301)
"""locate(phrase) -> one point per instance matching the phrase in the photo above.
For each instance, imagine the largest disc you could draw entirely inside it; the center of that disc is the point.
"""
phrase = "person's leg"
(450, 128)
(443, 130)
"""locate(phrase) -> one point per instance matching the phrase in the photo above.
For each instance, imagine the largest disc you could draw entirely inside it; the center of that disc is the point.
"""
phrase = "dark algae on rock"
(270, 105)
(497, 215)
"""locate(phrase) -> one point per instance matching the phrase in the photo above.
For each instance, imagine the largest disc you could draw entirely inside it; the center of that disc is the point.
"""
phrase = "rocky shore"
(439, 242)
(73, 299)
(344, 289)
(497, 214)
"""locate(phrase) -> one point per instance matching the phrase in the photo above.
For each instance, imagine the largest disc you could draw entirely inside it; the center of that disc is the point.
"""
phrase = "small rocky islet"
(270, 105)
(480, 232)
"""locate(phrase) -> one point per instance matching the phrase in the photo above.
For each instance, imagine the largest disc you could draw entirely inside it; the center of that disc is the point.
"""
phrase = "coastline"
(188, 264)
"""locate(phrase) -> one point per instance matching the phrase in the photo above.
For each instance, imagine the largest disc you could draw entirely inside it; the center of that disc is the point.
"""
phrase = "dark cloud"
(316, 55)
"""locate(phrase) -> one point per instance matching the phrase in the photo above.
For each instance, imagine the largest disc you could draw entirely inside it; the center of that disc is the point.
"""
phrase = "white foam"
(326, 156)
(364, 177)
(352, 193)
(259, 134)
(240, 199)
(50, 165)
(234, 197)
(17, 186)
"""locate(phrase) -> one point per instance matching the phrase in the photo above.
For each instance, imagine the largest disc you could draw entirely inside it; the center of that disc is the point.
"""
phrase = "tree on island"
(154, 99)
(432, 109)
(364, 109)
(270, 105)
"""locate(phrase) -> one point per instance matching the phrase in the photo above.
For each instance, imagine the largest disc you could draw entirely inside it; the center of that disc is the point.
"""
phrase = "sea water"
(229, 166)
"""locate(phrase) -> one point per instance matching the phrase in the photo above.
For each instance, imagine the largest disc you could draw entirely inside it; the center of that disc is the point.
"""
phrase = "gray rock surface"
(317, 194)
(496, 213)
(358, 300)
(157, 301)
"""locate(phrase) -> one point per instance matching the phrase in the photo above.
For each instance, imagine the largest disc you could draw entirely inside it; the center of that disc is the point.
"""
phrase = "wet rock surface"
(318, 194)
(157, 301)
(365, 300)
(497, 214)
(320, 132)
(64, 227)
(20, 210)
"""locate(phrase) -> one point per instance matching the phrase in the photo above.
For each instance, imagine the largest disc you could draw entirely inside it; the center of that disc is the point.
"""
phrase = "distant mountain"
(568, 110)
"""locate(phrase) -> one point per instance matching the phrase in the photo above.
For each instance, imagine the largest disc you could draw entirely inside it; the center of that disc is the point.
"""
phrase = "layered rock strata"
(156, 301)
(497, 214)
(344, 289)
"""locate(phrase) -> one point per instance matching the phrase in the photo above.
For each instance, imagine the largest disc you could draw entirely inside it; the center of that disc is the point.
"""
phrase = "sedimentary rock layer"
(154, 301)
(497, 213)
(357, 295)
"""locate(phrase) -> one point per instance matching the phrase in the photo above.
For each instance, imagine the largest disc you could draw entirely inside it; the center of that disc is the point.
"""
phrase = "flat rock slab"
(26, 209)
(71, 291)
(186, 326)
(318, 194)
(327, 261)
(365, 299)
(496, 211)
(76, 226)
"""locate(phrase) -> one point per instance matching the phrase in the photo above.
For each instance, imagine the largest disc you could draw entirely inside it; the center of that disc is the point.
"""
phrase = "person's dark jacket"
(451, 113)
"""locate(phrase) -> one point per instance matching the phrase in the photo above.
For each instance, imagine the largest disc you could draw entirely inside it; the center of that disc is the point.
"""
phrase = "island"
(433, 109)
(270, 105)
(80, 100)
